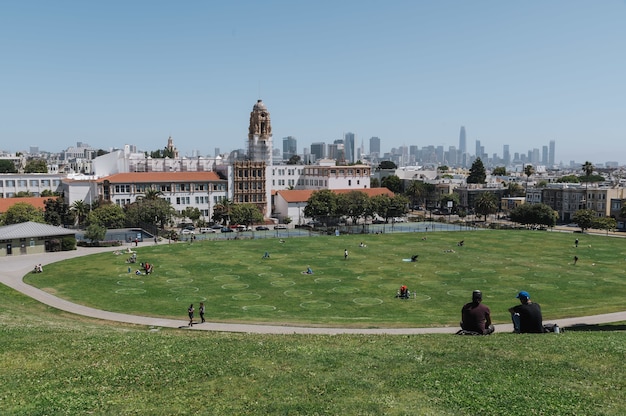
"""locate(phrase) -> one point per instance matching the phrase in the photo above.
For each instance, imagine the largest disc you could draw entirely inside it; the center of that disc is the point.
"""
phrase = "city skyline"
(410, 73)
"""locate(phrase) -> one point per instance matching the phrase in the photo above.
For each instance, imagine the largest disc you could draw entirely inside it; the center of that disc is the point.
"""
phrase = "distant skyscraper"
(318, 150)
(462, 141)
(375, 145)
(479, 150)
(217, 152)
(506, 155)
(544, 155)
(349, 147)
(290, 147)
(551, 157)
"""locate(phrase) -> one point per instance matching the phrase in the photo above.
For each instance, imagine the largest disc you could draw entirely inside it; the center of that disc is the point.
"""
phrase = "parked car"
(243, 228)
(262, 228)
(280, 227)
(187, 232)
(399, 219)
(226, 230)
(216, 227)
(378, 221)
(204, 230)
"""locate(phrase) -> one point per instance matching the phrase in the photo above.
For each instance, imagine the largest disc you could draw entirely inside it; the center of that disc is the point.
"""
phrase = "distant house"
(32, 238)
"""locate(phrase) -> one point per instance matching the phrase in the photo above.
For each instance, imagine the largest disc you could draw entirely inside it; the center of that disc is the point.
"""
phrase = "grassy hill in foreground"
(54, 363)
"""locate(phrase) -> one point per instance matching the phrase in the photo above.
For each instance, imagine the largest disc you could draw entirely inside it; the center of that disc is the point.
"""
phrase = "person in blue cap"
(526, 316)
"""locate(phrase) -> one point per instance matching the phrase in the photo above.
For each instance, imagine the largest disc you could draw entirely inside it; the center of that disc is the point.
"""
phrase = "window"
(34, 182)
(22, 183)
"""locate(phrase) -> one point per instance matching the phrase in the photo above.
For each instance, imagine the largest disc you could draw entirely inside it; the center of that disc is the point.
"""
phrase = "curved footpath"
(15, 267)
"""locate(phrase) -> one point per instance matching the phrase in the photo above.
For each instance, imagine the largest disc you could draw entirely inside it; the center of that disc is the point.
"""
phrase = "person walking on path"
(201, 312)
(345, 254)
(190, 312)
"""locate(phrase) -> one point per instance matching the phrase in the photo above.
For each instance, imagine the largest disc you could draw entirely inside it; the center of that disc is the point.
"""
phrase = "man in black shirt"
(526, 316)
(476, 317)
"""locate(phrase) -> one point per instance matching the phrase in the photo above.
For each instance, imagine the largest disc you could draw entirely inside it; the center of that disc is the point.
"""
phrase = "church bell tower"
(260, 134)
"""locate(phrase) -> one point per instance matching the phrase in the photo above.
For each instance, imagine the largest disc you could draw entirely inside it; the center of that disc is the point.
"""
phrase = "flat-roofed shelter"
(32, 238)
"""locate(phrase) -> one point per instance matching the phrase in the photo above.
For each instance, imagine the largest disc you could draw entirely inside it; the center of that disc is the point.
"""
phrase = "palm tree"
(528, 171)
(588, 169)
(80, 210)
(151, 194)
(486, 204)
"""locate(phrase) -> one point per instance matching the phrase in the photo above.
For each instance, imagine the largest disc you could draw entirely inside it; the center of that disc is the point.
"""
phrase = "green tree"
(7, 166)
(499, 171)
(107, 215)
(22, 212)
(221, 210)
(374, 183)
(393, 183)
(398, 205)
(486, 204)
(515, 189)
(57, 212)
(443, 201)
(568, 179)
(382, 206)
(387, 164)
(534, 214)
(80, 210)
(588, 170)
(155, 212)
(322, 206)
(528, 171)
(23, 194)
(246, 213)
(477, 173)
(294, 160)
(584, 218)
(605, 223)
(416, 191)
(95, 233)
(192, 213)
(354, 204)
(36, 166)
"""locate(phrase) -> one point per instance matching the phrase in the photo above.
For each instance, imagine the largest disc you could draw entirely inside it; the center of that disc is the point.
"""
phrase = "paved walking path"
(13, 268)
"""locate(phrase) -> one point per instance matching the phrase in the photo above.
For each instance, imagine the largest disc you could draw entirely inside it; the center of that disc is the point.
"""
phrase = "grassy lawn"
(237, 285)
(54, 363)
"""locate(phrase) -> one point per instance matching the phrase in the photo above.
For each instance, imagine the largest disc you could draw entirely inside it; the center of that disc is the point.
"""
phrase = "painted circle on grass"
(581, 273)
(445, 273)
(246, 296)
(235, 286)
(367, 301)
(473, 280)
(130, 291)
(543, 286)
(130, 282)
(369, 278)
(484, 271)
(459, 293)
(184, 289)
(345, 290)
(387, 268)
(282, 283)
(220, 270)
(582, 283)
(512, 291)
(180, 280)
(259, 308)
(420, 297)
(190, 299)
(433, 283)
(270, 275)
(389, 286)
(615, 279)
(315, 305)
(297, 293)
(546, 275)
(177, 271)
(226, 277)
(257, 268)
(513, 277)
(327, 280)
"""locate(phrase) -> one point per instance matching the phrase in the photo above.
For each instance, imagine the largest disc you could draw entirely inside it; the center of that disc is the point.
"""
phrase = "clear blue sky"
(110, 73)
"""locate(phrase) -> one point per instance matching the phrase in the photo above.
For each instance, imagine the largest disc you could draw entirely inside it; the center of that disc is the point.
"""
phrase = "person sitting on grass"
(403, 293)
(308, 270)
(266, 255)
(414, 258)
(526, 316)
(476, 317)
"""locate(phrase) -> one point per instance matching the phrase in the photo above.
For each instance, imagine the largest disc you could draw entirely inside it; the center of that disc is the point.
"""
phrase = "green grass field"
(56, 363)
(237, 285)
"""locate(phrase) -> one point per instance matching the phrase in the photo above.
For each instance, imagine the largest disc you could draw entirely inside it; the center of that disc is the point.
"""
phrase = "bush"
(68, 243)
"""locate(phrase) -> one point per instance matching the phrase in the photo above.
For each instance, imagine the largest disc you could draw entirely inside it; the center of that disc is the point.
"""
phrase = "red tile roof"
(303, 195)
(37, 202)
(159, 177)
